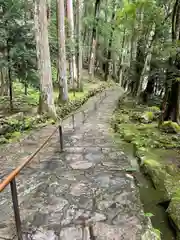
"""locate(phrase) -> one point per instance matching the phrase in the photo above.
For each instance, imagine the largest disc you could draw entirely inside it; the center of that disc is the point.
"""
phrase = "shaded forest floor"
(158, 150)
(24, 116)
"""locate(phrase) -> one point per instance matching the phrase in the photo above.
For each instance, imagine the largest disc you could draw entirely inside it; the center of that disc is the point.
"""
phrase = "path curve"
(82, 193)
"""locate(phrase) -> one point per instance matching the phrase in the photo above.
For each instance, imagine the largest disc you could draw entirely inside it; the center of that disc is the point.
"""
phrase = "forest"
(46, 47)
(56, 54)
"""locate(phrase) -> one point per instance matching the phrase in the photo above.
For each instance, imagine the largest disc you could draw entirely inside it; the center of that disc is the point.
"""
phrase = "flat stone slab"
(75, 233)
(81, 165)
(104, 231)
(79, 189)
(44, 235)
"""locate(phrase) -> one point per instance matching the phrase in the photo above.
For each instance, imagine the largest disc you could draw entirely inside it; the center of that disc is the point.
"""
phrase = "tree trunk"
(3, 87)
(172, 110)
(140, 58)
(63, 86)
(120, 70)
(70, 18)
(25, 88)
(46, 102)
(93, 41)
(149, 49)
(149, 90)
(172, 96)
(79, 44)
(110, 43)
(10, 77)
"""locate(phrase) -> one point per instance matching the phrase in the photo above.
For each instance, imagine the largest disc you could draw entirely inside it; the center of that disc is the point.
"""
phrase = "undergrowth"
(11, 127)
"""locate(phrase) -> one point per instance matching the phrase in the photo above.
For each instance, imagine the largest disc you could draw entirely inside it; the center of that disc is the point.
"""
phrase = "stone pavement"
(83, 193)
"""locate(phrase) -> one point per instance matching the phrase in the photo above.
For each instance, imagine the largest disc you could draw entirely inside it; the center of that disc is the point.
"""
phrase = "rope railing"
(11, 178)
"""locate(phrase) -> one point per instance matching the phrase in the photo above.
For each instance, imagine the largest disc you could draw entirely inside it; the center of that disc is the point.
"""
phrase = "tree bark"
(172, 95)
(4, 83)
(46, 102)
(149, 49)
(63, 86)
(121, 57)
(10, 77)
(93, 41)
(79, 44)
(70, 17)
(110, 42)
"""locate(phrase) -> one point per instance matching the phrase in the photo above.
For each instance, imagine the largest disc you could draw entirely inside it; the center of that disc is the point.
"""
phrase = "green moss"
(147, 117)
(15, 134)
(156, 150)
(158, 176)
(154, 109)
(152, 163)
(170, 127)
(174, 210)
(150, 115)
(128, 136)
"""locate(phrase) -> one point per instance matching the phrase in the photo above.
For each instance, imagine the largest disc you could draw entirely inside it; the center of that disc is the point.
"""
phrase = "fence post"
(84, 116)
(95, 106)
(73, 121)
(16, 208)
(61, 138)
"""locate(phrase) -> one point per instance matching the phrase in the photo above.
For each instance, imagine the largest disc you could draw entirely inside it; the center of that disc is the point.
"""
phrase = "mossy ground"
(24, 117)
(157, 149)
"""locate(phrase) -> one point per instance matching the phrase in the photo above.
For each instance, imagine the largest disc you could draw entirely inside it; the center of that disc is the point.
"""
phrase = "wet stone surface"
(82, 193)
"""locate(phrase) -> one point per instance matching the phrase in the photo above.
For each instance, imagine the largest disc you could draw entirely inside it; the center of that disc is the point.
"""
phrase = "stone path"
(83, 193)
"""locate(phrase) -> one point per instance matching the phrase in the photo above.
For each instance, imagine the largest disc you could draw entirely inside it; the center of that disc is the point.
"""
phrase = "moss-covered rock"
(157, 151)
(170, 127)
(174, 211)
(128, 136)
(154, 109)
(158, 175)
(147, 117)
(151, 234)
(135, 116)
(167, 182)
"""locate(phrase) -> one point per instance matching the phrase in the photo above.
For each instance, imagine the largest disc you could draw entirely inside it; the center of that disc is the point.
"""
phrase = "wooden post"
(16, 208)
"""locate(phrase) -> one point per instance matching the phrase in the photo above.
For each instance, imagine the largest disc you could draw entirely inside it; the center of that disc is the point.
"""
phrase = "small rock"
(44, 235)
(123, 198)
(129, 176)
(56, 204)
(75, 233)
(79, 189)
(104, 231)
(102, 205)
(102, 180)
(81, 165)
(94, 157)
(97, 217)
(74, 157)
